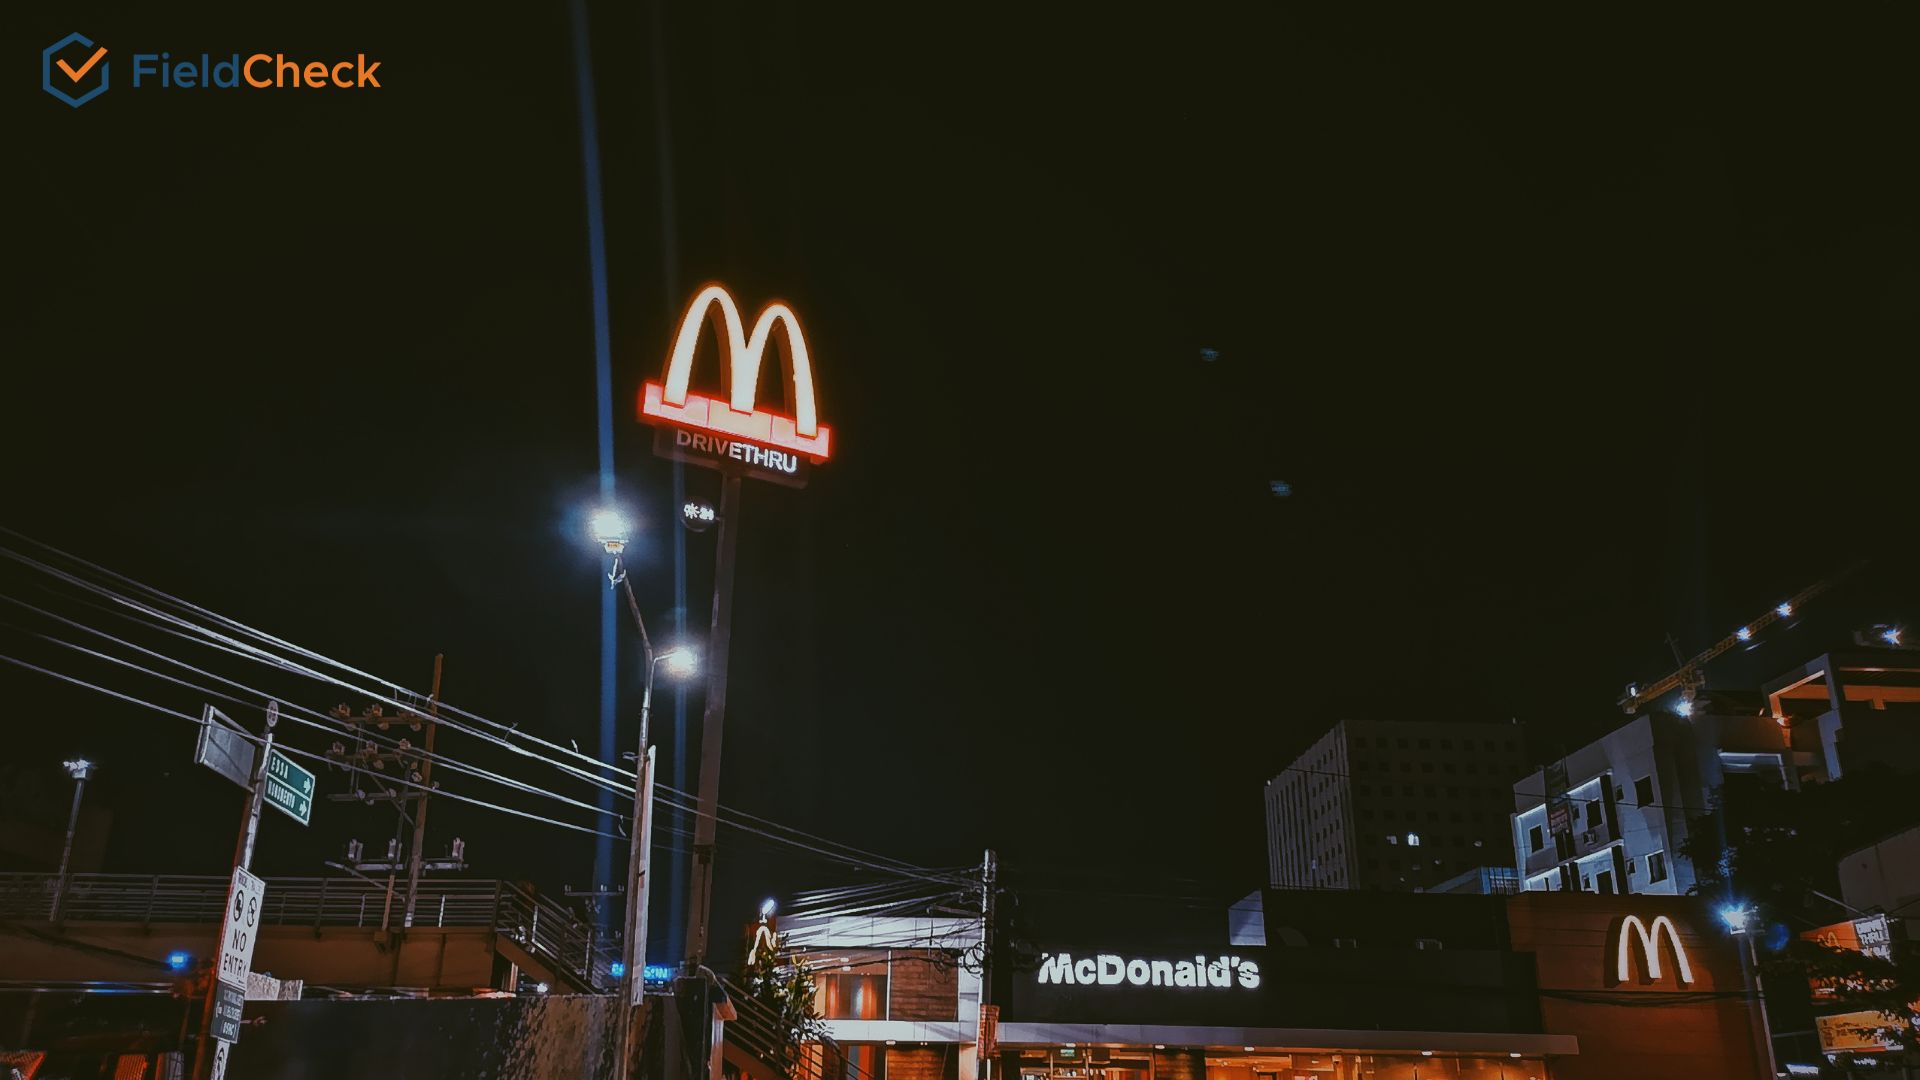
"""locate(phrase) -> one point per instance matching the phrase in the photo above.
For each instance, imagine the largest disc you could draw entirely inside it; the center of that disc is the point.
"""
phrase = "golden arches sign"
(736, 416)
(1631, 930)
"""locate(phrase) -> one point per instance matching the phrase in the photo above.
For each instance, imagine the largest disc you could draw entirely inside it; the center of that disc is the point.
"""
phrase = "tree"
(1777, 852)
(784, 996)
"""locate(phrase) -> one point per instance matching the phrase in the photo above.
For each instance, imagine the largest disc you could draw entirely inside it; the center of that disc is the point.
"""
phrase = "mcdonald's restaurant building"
(1387, 986)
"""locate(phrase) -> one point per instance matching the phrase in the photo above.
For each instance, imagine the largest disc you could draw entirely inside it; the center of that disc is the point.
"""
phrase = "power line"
(849, 855)
(209, 638)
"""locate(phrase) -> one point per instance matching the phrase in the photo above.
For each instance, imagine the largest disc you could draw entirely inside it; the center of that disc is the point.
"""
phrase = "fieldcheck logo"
(74, 70)
(66, 67)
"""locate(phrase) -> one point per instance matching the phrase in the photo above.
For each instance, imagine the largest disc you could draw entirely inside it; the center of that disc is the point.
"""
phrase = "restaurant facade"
(1382, 986)
(1347, 985)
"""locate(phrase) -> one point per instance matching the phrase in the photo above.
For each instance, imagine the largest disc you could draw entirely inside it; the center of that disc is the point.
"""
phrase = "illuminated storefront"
(1376, 986)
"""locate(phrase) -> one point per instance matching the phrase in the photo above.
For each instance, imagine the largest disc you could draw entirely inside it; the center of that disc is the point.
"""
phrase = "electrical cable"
(868, 860)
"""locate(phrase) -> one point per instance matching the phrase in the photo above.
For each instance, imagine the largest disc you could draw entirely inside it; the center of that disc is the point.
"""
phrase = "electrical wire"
(295, 751)
(849, 854)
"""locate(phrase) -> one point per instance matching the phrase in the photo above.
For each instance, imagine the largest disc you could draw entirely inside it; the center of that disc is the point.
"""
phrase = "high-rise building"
(1613, 816)
(1394, 804)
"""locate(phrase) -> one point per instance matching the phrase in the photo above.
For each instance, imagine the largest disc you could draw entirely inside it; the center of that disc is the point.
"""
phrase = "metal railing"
(534, 922)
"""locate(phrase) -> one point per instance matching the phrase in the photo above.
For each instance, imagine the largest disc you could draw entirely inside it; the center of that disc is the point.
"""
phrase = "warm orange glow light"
(737, 417)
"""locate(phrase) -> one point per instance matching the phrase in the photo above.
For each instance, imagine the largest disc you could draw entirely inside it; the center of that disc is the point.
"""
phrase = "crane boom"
(1691, 674)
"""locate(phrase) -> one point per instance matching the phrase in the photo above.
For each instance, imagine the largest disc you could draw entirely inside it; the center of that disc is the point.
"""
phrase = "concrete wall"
(503, 1038)
(1886, 877)
(1703, 1030)
(450, 959)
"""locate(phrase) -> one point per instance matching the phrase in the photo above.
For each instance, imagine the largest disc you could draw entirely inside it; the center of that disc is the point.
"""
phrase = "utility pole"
(418, 854)
(250, 824)
(712, 722)
(989, 876)
(203, 1059)
(79, 769)
(611, 532)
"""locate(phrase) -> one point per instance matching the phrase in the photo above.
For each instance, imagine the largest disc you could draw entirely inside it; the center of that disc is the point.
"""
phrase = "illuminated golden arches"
(1630, 928)
(745, 352)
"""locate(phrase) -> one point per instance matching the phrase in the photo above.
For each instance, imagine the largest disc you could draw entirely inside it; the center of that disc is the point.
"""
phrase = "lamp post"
(1743, 923)
(79, 769)
(611, 532)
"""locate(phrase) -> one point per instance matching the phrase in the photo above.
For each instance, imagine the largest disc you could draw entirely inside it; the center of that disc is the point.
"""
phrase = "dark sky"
(1566, 333)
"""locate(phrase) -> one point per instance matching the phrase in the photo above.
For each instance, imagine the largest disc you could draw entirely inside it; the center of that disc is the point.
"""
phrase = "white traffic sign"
(240, 929)
(220, 1052)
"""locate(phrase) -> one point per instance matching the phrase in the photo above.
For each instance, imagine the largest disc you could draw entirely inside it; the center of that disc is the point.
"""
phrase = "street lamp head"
(609, 529)
(767, 908)
(681, 662)
(1736, 916)
(79, 768)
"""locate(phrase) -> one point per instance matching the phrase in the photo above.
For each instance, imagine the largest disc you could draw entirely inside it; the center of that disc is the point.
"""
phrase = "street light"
(1742, 922)
(79, 769)
(610, 530)
(681, 662)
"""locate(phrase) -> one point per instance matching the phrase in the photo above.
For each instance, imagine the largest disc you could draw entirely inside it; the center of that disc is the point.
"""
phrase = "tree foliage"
(1778, 851)
(785, 993)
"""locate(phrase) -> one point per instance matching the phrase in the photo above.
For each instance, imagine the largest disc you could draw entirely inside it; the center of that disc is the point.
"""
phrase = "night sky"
(1566, 334)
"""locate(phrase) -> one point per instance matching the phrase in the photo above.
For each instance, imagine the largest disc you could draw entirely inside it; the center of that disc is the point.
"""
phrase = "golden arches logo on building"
(1631, 930)
(736, 417)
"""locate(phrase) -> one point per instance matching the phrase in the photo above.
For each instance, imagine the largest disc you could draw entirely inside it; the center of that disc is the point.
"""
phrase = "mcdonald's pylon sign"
(772, 440)
(1632, 930)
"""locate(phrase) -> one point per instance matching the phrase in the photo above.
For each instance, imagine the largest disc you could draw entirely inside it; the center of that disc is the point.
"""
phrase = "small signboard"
(227, 1006)
(239, 930)
(989, 1030)
(1862, 1032)
(289, 787)
(782, 467)
(1874, 936)
(225, 747)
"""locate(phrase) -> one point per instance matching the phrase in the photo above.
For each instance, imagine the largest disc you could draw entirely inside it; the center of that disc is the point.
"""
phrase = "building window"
(1593, 813)
(1413, 839)
(848, 996)
(1643, 791)
(1535, 840)
(855, 1061)
(1656, 867)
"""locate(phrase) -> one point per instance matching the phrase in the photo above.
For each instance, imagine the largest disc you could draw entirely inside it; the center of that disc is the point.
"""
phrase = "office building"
(1394, 804)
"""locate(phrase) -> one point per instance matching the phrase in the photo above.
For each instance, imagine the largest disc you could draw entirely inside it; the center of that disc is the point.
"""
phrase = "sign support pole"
(711, 723)
(203, 1057)
(250, 825)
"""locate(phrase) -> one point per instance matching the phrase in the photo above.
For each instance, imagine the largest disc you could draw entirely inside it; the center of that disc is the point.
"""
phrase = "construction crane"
(1691, 676)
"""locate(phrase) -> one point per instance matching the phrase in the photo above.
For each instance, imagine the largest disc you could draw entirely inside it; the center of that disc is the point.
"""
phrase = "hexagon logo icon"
(69, 76)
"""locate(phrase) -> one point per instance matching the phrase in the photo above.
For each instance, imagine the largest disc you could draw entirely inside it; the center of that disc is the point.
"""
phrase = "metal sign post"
(240, 927)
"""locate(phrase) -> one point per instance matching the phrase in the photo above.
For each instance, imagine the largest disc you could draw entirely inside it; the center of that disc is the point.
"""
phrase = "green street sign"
(289, 787)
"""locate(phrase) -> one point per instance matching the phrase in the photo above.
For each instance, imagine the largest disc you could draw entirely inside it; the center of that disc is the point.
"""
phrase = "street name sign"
(225, 747)
(289, 787)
